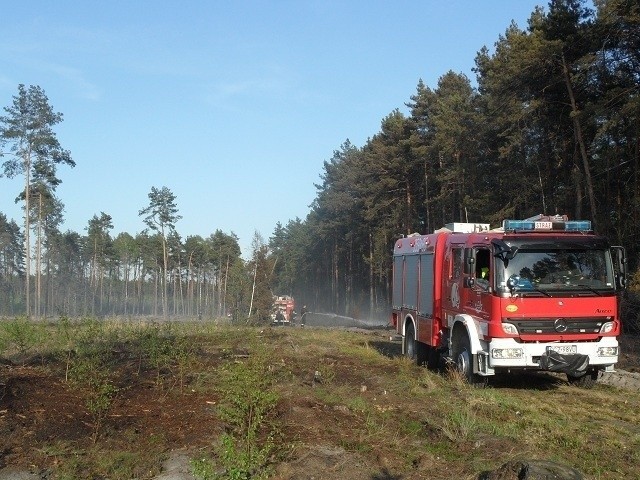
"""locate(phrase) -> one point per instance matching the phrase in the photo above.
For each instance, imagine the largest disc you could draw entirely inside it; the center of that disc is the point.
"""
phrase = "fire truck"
(283, 310)
(534, 294)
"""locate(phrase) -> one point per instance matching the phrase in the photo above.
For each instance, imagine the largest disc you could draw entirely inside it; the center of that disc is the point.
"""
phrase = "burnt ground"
(45, 424)
(44, 420)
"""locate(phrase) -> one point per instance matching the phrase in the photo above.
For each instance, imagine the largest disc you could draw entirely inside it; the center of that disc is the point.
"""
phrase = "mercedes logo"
(560, 325)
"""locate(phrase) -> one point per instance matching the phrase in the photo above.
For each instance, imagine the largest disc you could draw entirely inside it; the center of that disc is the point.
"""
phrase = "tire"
(414, 349)
(410, 342)
(588, 380)
(464, 363)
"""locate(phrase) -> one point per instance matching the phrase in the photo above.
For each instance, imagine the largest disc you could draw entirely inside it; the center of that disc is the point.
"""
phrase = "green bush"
(90, 370)
(247, 405)
(21, 334)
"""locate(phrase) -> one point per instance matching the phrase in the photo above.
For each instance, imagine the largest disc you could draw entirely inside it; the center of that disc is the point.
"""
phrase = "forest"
(550, 124)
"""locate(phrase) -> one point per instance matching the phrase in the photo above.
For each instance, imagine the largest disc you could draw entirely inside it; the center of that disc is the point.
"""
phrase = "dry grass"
(348, 406)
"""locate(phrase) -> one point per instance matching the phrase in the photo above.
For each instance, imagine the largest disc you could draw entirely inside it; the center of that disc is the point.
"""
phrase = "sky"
(234, 106)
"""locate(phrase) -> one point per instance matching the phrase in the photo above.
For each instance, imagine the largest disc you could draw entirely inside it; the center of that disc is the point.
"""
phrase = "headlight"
(509, 328)
(507, 353)
(607, 327)
(607, 351)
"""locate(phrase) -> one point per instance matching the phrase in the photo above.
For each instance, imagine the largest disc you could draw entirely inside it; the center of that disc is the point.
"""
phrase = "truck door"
(452, 279)
(479, 281)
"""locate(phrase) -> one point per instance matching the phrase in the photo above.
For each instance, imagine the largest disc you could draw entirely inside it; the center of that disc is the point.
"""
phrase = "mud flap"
(573, 364)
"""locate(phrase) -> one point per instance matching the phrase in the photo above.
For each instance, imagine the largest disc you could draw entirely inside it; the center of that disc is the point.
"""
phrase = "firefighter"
(482, 268)
(303, 312)
(483, 279)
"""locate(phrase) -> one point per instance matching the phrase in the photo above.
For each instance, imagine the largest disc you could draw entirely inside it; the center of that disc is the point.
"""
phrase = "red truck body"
(535, 294)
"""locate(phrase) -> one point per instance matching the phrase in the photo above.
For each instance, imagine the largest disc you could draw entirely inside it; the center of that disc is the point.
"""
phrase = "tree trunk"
(371, 276)
(38, 258)
(578, 134)
(224, 290)
(27, 226)
(165, 261)
(427, 228)
(336, 275)
(253, 289)
(408, 206)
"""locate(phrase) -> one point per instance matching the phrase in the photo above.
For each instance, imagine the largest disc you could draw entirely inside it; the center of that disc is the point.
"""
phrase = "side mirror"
(503, 251)
(469, 260)
(620, 264)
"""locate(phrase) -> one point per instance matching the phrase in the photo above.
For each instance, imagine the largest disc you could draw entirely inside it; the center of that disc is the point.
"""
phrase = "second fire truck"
(539, 294)
(283, 310)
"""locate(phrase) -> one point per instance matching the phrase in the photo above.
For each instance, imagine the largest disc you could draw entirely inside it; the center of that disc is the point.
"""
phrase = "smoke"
(333, 320)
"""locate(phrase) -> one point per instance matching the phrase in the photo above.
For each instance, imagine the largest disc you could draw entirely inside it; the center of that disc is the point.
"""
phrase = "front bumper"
(528, 355)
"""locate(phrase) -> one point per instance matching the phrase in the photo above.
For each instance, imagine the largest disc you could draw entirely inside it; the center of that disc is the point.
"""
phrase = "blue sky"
(233, 105)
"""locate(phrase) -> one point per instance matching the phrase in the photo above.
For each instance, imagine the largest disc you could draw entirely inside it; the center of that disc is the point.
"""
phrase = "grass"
(21, 335)
(257, 399)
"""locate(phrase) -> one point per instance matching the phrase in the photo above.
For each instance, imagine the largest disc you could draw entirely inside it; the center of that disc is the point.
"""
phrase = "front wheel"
(464, 364)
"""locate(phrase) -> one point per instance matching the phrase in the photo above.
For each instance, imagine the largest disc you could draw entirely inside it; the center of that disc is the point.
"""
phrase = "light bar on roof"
(546, 225)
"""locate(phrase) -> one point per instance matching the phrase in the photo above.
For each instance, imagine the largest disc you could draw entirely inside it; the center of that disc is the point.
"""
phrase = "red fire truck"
(283, 310)
(535, 294)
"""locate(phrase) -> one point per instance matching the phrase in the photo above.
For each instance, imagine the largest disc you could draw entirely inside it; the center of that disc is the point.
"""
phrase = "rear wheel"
(464, 363)
(415, 350)
(587, 380)
(410, 342)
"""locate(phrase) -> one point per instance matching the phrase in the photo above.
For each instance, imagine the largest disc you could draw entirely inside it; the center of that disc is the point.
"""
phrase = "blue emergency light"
(578, 225)
(518, 225)
(550, 225)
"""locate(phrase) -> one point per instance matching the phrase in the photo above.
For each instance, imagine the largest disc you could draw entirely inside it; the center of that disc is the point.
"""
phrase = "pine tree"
(28, 130)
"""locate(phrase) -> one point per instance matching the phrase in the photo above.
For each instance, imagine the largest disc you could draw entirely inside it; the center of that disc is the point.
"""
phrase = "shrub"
(21, 334)
(247, 404)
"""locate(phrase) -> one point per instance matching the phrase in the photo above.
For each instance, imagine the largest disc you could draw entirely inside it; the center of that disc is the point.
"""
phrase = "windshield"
(556, 270)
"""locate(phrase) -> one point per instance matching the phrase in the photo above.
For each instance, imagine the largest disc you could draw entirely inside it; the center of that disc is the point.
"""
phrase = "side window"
(483, 264)
(457, 259)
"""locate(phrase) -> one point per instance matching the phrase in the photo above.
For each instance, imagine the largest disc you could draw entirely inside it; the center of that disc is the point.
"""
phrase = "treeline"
(46, 272)
(98, 275)
(552, 127)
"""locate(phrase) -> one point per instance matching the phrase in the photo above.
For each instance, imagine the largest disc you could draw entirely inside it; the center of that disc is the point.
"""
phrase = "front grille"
(532, 326)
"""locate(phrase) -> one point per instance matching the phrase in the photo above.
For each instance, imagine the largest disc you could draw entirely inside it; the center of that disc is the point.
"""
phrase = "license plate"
(564, 349)
(543, 225)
